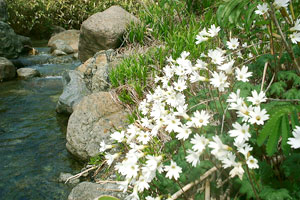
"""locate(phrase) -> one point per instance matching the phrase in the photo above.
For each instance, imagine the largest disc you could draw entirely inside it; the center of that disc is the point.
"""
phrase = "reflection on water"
(32, 138)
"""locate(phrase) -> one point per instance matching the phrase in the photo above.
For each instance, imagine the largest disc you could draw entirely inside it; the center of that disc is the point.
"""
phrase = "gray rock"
(74, 91)
(63, 177)
(60, 59)
(25, 40)
(3, 11)
(90, 191)
(103, 30)
(70, 37)
(10, 44)
(90, 123)
(96, 71)
(7, 69)
(75, 55)
(62, 46)
(57, 29)
(27, 73)
(57, 52)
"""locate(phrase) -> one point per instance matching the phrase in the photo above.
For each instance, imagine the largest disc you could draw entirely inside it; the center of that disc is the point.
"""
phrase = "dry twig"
(190, 185)
(80, 174)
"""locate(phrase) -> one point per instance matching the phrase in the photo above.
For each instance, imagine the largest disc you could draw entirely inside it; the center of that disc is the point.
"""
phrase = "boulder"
(103, 30)
(90, 123)
(62, 46)
(25, 40)
(3, 11)
(90, 191)
(27, 73)
(10, 44)
(96, 70)
(74, 90)
(7, 69)
(70, 37)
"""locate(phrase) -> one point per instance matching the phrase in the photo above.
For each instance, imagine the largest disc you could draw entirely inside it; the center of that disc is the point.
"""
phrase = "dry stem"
(80, 174)
(190, 185)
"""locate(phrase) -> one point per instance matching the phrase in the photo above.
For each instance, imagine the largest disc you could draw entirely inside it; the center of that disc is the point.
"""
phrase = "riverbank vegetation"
(217, 113)
(36, 18)
(215, 98)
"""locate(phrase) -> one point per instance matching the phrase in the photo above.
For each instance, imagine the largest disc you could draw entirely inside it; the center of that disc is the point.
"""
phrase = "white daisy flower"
(242, 74)
(199, 119)
(218, 80)
(216, 56)
(281, 3)
(296, 27)
(193, 157)
(295, 37)
(173, 170)
(240, 132)
(213, 31)
(252, 163)
(262, 9)
(237, 171)
(199, 142)
(256, 98)
(295, 141)
(233, 43)
(258, 116)
(118, 136)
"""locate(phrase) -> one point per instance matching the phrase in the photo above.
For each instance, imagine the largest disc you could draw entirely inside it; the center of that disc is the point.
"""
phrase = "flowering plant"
(174, 135)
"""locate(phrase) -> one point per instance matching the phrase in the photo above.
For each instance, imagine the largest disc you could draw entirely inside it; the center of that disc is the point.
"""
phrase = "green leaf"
(246, 187)
(226, 10)
(269, 193)
(294, 118)
(291, 94)
(272, 124)
(287, 75)
(249, 16)
(273, 138)
(291, 166)
(285, 132)
(278, 88)
(106, 197)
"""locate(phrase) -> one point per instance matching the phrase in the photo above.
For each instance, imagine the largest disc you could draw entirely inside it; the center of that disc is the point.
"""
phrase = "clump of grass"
(170, 23)
(134, 72)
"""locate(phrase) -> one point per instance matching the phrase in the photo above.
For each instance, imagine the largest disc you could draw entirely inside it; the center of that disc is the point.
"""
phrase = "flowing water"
(32, 135)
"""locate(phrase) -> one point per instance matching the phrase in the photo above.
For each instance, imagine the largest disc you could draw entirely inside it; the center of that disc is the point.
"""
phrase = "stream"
(32, 134)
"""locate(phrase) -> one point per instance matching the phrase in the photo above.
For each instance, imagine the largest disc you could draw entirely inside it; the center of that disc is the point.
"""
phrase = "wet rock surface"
(74, 90)
(7, 69)
(27, 73)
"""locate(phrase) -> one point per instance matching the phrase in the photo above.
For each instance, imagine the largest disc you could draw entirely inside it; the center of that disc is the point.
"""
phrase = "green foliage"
(130, 71)
(278, 125)
(269, 193)
(37, 17)
(96, 160)
(278, 88)
(291, 166)
(245, 187)
(287, 86)
(233, 13)
(172, 23)
(106, 197)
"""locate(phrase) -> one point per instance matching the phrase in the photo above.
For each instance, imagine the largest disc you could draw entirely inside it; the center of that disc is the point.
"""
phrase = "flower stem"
(251, 182)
